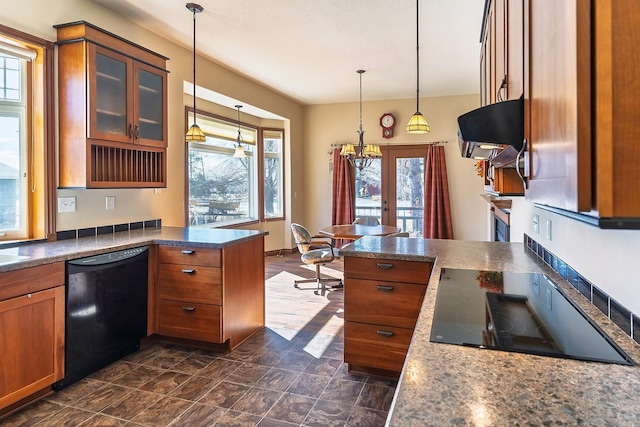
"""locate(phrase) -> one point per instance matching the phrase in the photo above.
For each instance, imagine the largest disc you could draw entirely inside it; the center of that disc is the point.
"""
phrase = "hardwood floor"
(289, 374)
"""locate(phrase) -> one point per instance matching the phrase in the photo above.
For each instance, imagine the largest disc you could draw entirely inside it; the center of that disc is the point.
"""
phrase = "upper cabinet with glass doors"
(113, 110)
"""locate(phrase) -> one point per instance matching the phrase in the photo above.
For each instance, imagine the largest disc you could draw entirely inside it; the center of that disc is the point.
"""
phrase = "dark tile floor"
(289, 374)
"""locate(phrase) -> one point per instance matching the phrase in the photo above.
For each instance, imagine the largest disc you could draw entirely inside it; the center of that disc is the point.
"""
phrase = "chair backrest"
(367, 220)
(301, 236)
(399, 234)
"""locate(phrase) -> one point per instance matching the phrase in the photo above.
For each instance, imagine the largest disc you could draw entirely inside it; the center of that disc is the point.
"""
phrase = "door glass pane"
(410, 195)
(150, 105)
(111, 99)
(368, 190)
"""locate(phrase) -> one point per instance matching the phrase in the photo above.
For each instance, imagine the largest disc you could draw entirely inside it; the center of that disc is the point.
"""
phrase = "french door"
(392, 188)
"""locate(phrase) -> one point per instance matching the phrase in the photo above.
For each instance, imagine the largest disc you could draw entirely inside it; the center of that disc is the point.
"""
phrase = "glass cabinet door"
(150, 113)
(109, 105)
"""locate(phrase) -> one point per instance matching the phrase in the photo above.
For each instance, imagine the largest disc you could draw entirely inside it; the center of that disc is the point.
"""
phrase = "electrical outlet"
(110, 202)
(66, 204)
(548, 229)
(536, 224)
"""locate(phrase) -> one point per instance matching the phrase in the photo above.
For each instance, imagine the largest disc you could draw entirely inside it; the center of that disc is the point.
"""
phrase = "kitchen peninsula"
(200, 287)
(443, 384)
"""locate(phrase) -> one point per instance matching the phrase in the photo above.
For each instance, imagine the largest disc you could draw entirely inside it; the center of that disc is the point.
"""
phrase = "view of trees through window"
(12, 148)
(224, 189)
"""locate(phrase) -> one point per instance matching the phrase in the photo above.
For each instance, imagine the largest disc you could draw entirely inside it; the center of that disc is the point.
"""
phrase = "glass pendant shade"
(417, 124)
(239, 152)
(348, 150)
(195, 134)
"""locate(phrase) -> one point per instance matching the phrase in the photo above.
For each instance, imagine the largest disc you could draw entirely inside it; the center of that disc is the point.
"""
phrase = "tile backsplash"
(620, 315)
(107, 229)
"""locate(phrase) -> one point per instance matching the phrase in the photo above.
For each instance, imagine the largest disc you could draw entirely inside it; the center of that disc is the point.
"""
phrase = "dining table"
(356, 231)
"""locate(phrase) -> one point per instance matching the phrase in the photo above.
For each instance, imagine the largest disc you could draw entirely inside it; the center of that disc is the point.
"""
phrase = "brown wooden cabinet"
(211, 295)
(382, 300)
(503, 182)
(112, 110)
(32, 325)
(502, 78)
(581, 107)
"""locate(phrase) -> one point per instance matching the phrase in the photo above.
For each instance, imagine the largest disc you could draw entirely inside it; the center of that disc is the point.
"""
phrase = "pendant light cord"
(417, 56)
(194, 65)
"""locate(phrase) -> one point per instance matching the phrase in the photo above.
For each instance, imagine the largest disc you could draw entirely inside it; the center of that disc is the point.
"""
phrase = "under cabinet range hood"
(498, 125)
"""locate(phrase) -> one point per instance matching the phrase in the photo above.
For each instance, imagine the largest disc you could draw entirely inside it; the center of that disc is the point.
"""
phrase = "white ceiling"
(310, 50)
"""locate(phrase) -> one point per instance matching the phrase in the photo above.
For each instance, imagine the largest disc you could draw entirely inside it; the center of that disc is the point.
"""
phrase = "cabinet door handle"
(130, 130)
(188, 252)
(136, 134)
(384, 266)
(384, 333)
(188, 271)
(384, 288)
(187, 308)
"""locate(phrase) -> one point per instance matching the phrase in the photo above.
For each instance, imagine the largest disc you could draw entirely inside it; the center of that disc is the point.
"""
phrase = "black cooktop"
(520, 312)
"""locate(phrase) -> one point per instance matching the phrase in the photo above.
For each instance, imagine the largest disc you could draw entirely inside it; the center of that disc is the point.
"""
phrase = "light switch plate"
(66, 204)
(110, 202)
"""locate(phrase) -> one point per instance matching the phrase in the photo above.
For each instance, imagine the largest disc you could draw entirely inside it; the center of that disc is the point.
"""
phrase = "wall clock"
(388, 122)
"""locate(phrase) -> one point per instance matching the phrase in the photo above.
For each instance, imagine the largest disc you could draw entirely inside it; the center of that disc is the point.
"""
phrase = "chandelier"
(362, 155)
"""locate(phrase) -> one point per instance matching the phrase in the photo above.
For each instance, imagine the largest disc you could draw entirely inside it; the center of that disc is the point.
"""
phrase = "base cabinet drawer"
(193, 283)
(374, 346)
(388, 270)
(190, 255)
(382, 303)
(191, 321)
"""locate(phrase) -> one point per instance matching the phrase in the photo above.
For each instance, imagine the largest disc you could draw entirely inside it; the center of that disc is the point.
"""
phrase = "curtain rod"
(389, 144)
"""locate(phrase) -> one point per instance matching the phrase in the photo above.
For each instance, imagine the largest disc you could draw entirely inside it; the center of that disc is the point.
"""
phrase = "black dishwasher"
(106, 310)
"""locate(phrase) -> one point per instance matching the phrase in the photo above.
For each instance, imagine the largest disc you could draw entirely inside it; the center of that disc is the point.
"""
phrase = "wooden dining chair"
(314, 251)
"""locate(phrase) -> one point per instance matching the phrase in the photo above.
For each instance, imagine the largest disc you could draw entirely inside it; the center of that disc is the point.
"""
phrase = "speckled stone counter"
(43, 253)
(443, 384)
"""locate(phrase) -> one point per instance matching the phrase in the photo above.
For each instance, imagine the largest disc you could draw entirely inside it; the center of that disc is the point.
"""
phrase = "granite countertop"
(443, 384)
(31, 255)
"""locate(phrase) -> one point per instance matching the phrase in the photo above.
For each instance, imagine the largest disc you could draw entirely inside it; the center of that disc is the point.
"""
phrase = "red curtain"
(342, 203)
(437, 210)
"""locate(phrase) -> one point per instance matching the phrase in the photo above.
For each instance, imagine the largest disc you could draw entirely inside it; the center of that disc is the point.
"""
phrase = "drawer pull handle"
(187, 308)
(385, 288)
(384, 266)
(384, 333)
(188, 271)
(188, 252)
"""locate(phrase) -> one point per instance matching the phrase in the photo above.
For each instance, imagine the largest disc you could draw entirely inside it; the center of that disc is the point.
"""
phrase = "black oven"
(519, 312)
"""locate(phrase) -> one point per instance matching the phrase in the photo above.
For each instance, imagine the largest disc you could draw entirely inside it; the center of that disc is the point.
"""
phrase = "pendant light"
(194, 134)
(417, 124)
(239, 151)
(364, 155)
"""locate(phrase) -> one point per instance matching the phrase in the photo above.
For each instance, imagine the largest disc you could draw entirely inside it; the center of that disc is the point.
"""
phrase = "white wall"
(338, 123)
(38, 17)
(607, 258)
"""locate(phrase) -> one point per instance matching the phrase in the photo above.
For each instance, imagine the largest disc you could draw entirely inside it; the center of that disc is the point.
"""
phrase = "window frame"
(200, 113)
(261, 138)
(40, 135)
(259, 154)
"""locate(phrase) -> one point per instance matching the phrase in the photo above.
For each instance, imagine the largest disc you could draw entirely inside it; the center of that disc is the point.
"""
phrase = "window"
(27, 183)
(272, 141)
(13, 206)
(222, 188)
